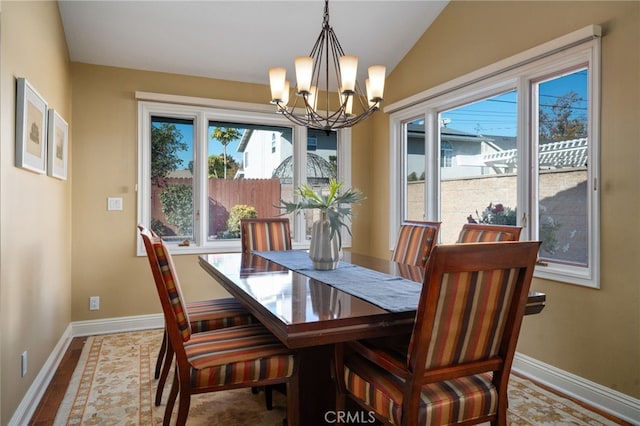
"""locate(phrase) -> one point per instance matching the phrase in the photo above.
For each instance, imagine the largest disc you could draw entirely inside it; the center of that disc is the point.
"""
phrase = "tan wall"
(594, 334)
(35, 210)
(105, 156)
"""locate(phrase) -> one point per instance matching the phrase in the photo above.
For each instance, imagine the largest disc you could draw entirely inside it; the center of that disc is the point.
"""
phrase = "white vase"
(324, 252)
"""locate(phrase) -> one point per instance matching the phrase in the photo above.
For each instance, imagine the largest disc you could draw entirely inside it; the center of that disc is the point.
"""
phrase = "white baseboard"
(606, 399)
(603, 398)
(117, 325)
(34, 394)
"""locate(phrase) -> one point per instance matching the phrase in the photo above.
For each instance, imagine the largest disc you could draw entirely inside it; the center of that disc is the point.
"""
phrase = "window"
(195, 180)
(446, 154)
(515, 143)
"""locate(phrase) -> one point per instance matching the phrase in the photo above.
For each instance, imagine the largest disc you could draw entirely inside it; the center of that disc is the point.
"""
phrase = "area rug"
(113, 384)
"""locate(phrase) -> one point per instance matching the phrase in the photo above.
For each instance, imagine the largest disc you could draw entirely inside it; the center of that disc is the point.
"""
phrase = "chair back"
(265, 234)
(470, 310)
(484, 233)
(167, 285)
(415, 241)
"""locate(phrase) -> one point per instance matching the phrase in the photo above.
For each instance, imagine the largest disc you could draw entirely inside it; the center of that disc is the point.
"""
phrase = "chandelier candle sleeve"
(348, 70)
(304, 71)
(277, 77)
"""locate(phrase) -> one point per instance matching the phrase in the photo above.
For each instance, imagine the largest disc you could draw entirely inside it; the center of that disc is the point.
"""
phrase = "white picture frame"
(57, 145)
(31, 128)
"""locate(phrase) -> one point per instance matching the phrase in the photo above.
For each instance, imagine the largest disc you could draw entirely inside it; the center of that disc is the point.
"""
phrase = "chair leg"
(268, 397)
(163, 349)
(166, 421)
(166, 366)
(183, 408)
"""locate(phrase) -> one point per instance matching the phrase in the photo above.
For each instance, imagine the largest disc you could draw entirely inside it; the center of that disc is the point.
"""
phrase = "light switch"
(114, 203)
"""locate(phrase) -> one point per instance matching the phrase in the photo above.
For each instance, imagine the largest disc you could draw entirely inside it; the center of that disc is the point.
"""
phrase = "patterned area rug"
(113, 384)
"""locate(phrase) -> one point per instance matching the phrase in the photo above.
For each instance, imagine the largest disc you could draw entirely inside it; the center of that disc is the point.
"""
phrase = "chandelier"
(327, 65)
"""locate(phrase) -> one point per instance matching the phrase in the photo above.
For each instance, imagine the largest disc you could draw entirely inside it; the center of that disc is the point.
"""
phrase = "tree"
(166, 142)
(225, 135)
(217, 166)
(559, 122)
(177, 206)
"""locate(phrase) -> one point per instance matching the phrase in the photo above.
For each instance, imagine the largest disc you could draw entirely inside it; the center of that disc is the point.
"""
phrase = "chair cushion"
(213, 314)
(237, 355)
(441, 403)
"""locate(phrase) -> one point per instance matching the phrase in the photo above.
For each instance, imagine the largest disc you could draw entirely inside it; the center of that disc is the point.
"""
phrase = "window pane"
(322, 165)
(478, 180)
(562, 162)
(238, 189)
(172, 178)
(414, 166)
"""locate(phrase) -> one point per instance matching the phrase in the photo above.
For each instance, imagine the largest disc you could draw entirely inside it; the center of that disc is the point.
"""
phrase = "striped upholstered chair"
(415, 241)
(455, 366)
(226, 358)
(204, 315)
(484, 233)
(265, 234)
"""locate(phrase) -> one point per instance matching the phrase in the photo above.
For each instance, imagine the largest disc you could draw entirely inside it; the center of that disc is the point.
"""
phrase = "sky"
(497, 116)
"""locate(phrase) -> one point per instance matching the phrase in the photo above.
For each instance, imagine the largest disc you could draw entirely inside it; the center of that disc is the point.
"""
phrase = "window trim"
(202, 110)
(514, 73)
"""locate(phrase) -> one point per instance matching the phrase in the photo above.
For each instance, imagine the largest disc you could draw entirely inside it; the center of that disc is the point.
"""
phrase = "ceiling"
(238, 40)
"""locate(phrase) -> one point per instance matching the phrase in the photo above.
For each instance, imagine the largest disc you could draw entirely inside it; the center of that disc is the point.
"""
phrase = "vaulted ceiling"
(238, 40)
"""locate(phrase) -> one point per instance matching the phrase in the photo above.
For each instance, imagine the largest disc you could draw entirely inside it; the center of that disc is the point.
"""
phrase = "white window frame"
(202, 111)
(581, 47)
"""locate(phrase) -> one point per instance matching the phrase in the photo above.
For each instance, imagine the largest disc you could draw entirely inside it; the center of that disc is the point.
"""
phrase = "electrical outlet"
(23, 364)
(94, 303)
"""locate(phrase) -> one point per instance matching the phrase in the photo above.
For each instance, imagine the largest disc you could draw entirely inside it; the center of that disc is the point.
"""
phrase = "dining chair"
(214, 360)
(265, 234)
(454, 366)
(415, 241)
(204, 315)
(484, 233)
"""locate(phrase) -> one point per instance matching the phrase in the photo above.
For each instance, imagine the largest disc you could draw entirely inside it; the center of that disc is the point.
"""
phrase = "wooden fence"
(262, 194)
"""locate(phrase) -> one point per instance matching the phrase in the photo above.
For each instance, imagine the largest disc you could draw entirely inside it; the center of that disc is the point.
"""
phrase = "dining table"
(310, 310)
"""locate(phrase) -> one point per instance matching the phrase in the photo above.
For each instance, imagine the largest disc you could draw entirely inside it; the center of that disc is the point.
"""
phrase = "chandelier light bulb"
(348, 107)
(376, 82)
(348, 71)
(304, 71)
(312, 98)
(277, 77)
(285, 93)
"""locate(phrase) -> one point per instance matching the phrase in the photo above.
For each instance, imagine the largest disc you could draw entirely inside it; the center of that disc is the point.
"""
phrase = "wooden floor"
(45, 414)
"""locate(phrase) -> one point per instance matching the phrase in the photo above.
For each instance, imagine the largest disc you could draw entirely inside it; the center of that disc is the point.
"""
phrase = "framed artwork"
(57, 142)
(31, 131)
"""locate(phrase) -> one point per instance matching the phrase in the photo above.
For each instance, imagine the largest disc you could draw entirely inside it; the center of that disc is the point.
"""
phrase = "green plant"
(334, 204)
(238, 212)
(177, 206)
(498, 214)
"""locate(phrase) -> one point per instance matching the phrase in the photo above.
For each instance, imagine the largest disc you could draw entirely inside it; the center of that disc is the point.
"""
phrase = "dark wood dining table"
(310, 316)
